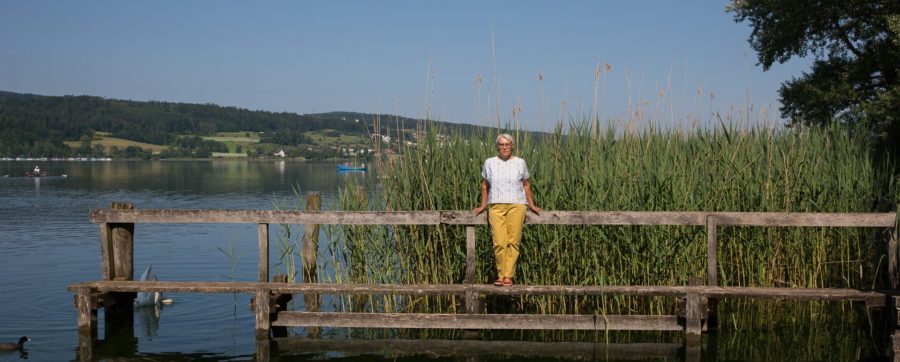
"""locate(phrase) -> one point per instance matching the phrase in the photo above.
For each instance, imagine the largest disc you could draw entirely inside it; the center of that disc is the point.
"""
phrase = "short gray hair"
(505, 136)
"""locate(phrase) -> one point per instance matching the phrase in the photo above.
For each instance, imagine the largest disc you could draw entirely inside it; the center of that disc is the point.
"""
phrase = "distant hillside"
(38, 125)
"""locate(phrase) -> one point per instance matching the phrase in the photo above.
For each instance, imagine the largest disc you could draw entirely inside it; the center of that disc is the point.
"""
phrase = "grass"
(725, 169)
(121, 143)
(321, 138)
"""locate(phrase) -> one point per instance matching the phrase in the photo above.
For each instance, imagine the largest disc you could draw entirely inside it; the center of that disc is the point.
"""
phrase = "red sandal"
(507, 282)
(499, 281)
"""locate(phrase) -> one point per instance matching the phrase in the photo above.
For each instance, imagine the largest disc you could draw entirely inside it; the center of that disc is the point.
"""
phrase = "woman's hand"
(479, 209)
(534, 209)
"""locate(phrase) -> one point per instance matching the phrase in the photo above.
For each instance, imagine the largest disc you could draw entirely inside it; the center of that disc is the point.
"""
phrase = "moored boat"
(348, 167)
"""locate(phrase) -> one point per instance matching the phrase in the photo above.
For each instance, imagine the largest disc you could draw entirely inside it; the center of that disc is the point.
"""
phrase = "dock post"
(281, 302)
(263, 240)
(712, 270)
(473, 305)
(310, 257)
(311, 239)
(86, 305)
(118, 307)
(694, 308)
(893, 254)
(122, 242)
(894, 328)
(262, 306)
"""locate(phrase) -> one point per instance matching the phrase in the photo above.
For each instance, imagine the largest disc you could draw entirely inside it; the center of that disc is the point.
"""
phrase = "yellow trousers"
(506, 228)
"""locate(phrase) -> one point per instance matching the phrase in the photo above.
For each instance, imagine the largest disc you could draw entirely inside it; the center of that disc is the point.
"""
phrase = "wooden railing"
(116, 245)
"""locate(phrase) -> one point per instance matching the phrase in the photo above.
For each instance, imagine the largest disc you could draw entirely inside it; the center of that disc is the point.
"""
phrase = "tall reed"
(721, 169)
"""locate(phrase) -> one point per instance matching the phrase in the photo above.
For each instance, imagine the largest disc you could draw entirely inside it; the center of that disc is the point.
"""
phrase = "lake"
(47, 243)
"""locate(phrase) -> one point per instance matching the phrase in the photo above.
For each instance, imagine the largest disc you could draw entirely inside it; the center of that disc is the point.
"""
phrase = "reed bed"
(721, 169)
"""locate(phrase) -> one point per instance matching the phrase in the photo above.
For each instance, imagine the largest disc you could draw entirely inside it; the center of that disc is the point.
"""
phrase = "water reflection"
(472, 349)
(148, 316)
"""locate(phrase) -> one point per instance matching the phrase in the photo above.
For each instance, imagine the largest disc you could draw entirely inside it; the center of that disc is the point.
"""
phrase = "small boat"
(348, 167)
(36, 173)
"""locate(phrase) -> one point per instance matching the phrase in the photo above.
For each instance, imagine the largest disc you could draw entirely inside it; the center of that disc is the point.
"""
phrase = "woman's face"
(504, 148)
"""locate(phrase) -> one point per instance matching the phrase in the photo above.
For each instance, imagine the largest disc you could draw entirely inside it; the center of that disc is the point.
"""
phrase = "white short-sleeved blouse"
(505, 180)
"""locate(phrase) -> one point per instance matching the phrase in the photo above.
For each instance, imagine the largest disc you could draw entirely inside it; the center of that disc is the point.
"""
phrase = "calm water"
(47, 243)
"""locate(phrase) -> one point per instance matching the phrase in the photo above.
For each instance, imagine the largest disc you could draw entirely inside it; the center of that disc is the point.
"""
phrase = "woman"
(505, 190)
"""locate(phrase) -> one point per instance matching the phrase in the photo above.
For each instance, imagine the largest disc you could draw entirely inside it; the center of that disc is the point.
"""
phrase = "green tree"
(855, 76)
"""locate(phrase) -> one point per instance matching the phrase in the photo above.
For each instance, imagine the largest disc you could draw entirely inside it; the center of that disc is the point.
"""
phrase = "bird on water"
(7, 346)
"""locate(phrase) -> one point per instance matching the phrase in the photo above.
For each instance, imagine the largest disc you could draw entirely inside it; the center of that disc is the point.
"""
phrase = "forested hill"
(38, 125)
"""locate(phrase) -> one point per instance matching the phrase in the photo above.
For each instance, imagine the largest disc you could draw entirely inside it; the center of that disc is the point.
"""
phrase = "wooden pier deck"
(117, 288)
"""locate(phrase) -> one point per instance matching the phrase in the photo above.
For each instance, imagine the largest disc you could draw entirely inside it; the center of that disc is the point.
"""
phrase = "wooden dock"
(117, 288)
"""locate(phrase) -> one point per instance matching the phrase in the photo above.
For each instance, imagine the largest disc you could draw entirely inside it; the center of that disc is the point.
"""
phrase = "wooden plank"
(712, 269)
(479, 348)
(106, 257)
(692, 322)
(263, 309)
(473, 303)
(311, 240)
(470, 256)
(122, 235)
(267, 216)
(586, 218)
(477, 321)
(263, 232)
(804, 219)
(875, 297)
(85, 313)
(697, 218)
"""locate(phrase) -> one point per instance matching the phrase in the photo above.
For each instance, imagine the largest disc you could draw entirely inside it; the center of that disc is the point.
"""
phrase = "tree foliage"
(37, 125)
(855, 76)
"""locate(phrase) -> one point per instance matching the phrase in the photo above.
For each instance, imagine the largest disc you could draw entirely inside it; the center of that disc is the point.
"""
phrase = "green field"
(121, 143)
(322, 138)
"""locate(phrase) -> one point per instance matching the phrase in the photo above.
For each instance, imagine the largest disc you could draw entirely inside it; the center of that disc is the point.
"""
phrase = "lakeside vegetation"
(817, 169)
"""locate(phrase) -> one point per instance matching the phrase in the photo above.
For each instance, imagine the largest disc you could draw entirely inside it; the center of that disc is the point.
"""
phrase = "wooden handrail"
(456, 217)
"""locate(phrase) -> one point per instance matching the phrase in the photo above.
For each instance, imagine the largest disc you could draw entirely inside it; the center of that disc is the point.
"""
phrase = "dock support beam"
(86, 305)
(263, 240)
(310, 262)
(263, 321)
(473, 302)
(712, 270)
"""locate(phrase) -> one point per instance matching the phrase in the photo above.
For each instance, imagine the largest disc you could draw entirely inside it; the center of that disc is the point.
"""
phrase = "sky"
(532, 63)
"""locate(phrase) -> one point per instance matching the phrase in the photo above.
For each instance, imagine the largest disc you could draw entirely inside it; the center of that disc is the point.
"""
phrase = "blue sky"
(671, 63)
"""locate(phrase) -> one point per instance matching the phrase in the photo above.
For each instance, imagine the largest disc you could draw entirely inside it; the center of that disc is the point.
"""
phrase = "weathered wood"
(263, 322)
(106, 256)
(267, 216)
(711, 305)
(464, 217)
(87, 316)
(263, 350)
(804, 219)
(692, 321)
(311, 239)
(712, 277)
(478, 321)
(873, 298)
(473, 301)
(697, 218)
(471, 265)
(893, 254)
(122, 245)
(895, 346)
(479, 348)
(263, 232)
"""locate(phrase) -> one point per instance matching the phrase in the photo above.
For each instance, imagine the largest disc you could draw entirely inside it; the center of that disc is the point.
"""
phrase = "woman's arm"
(484, 197)
(531, 205)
